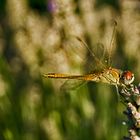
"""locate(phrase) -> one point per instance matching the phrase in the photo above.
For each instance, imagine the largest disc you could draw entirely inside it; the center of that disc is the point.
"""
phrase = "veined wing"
(70, 85)
(94, 62)
(109, 61)
(103, 57)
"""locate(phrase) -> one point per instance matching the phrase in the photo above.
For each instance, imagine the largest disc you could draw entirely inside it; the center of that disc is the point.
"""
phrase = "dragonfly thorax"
(127, 77)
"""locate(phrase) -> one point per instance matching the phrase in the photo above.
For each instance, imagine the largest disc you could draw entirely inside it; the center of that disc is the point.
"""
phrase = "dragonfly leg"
(118, 95)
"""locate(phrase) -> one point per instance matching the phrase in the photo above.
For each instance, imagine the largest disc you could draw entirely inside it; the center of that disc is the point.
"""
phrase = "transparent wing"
(111, 45)
(69, 85)
(96, 56)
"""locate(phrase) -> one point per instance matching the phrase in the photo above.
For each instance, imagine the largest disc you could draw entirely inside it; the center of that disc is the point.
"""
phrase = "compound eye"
(127, 77)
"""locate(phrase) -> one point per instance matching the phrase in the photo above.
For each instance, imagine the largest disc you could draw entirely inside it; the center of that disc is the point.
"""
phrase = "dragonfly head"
(127, 77)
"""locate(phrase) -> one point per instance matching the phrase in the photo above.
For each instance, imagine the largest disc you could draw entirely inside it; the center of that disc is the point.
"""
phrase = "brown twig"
(131, 98)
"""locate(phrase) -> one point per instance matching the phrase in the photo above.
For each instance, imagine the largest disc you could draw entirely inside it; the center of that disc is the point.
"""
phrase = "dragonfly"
(108, 75)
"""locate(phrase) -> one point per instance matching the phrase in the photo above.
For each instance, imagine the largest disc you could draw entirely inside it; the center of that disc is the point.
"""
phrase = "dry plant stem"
(131, 98)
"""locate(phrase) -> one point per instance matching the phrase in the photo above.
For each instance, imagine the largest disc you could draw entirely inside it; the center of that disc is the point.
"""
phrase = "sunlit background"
(39, 36)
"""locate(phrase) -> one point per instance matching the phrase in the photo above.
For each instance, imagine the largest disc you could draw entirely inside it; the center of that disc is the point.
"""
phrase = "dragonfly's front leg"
(127, 92)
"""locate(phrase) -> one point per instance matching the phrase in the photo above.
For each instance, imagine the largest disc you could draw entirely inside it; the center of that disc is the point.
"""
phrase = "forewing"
(94, 56)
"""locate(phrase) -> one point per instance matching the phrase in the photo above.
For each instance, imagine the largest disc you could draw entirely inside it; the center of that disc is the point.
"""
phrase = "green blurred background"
(37, 37)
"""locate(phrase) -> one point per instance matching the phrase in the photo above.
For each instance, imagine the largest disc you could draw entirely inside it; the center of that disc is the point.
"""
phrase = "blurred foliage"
(40, 5)
(115, 4)
(2, 7)
(38, 37)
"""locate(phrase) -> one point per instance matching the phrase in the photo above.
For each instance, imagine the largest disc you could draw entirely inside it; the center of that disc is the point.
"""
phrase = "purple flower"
(52, 6)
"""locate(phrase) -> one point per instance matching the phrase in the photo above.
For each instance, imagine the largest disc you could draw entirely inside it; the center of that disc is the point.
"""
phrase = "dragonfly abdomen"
(88, 77)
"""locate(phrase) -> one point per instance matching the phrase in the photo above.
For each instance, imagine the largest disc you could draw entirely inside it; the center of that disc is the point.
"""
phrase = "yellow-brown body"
(109, 76)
